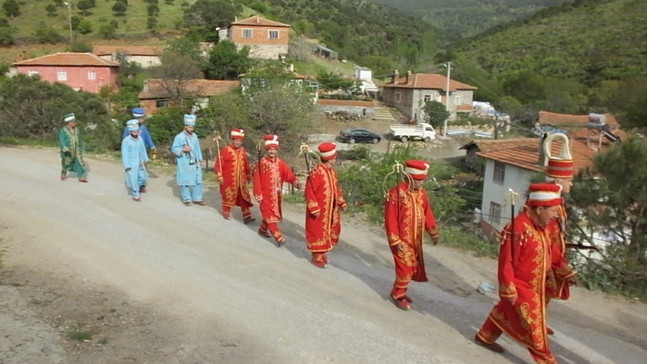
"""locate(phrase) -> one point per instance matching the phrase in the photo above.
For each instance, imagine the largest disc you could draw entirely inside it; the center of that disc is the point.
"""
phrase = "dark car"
(359, 135)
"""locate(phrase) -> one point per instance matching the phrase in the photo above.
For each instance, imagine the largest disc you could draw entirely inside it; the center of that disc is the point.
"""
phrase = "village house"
(511, 164)
(265, 38)
(144, 56)
(410, 93)
(156, 94)
(80, 71)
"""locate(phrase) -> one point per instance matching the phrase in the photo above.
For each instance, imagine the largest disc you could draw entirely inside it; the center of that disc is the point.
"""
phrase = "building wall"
(264, 51)
(361, 108)
(517, 179)
(77, 77)
(143, 61)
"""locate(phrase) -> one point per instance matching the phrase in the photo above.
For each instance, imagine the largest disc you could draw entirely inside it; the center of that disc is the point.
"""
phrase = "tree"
(6, 35)
(11, 8)
(186, 46)
(610, 203)
(175, 73)
(47, 34)
(206, 15)
(51, 10)
(226, 62)
(108, 31)
(85, 27)
(436, 113)
(84, 6)
(331, 81)
(119, 8)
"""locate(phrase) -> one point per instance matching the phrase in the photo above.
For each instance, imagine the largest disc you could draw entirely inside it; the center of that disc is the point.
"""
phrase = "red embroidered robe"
(233, 167)
(269, 176)
(556, 282)
(324, 198)
(407, 214)
(524, 260)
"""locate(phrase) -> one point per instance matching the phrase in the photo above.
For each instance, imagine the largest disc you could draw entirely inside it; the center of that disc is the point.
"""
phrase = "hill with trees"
(587, 57)
(466, 18)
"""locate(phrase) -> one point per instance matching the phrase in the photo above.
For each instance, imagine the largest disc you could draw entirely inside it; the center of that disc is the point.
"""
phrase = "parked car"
(359, 135)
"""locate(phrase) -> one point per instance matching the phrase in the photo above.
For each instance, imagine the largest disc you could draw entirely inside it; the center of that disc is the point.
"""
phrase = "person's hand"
(297, 185)
(512, 300)
(435, 240)
(186, 148)
(571, 281)
(343, 207)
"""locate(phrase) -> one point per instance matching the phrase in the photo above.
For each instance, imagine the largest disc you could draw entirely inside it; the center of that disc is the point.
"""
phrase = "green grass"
(80, 335)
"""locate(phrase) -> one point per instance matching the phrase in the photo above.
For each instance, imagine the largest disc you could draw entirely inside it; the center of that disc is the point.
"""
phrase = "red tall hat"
(271, 141)
(237, 134)
(560, 168)
(544, 194)
(327, 151)
(417, 169)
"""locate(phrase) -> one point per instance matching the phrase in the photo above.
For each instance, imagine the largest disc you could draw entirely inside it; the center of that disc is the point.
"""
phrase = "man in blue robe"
(139, 117)
(134, 157)
(187, 151)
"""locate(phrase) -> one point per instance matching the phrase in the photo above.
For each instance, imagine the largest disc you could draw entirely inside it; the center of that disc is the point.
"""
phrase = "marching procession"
(532, 270)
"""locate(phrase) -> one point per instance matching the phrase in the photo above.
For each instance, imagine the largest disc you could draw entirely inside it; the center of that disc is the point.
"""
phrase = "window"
(499, 172)
(398, 96)
(457, 100)
(495, 213)
(273, 34)
(32, 72)
(161, 103)
(92, 75)
(427, 98)
(247, 33)
(61, 75)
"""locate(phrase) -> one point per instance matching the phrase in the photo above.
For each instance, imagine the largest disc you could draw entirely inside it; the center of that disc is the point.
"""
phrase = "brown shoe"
(142, 189)
(137, 199)
(63, 177)
(83, 180)
(200, 203)
(280, 242)
(248, 220)
(318, 264)
(226, 215)
(264, 233)
(549, 331)
(187, 203)
(493, 347)
(401, 303)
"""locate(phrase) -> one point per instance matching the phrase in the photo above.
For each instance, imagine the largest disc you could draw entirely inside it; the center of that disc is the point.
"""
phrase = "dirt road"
(90, 276)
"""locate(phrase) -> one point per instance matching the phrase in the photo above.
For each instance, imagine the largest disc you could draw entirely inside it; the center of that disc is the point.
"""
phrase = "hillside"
(371, 34)
(465, 18)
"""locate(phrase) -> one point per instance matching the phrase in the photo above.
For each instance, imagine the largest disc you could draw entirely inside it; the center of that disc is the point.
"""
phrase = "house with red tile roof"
(145, 56)
(265, 38)
(511, 164)
(157, 93)
(410, 93)
(80, 71)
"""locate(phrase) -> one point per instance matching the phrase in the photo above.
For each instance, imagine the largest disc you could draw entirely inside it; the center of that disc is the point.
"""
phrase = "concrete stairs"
(384, 114)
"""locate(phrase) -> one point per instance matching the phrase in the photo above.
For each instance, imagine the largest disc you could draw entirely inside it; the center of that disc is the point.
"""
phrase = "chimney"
(396, 77)
(258, 20)
(407, 79)
(542, 155)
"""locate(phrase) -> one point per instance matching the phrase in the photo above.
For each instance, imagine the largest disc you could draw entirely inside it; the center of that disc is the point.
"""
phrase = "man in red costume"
(561, 276)
(324, 198)
(524, 262)
(233, 173)
(407, 215)
(269, 176)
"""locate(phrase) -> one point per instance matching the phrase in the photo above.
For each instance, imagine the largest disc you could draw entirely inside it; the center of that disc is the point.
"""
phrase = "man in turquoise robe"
(187, 151)
(134, 158)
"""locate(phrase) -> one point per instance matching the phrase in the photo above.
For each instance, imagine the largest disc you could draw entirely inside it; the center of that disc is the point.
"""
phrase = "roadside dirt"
(88, 276)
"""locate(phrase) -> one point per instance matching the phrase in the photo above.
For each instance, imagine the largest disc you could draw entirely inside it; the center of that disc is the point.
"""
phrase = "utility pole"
(449, 69)
(68, 3)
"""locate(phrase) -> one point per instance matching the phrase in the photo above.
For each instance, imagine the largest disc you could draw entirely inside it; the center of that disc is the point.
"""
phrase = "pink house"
(80, 71)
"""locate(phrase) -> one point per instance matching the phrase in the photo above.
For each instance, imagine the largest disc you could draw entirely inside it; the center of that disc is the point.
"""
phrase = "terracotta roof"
(131, 50)
(524, 152)
(67, 59)
(428, 81)
(576, 126)
(153, 88)
(258, 21)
